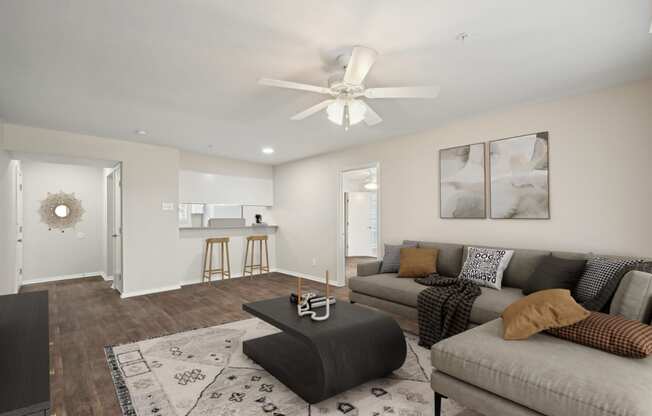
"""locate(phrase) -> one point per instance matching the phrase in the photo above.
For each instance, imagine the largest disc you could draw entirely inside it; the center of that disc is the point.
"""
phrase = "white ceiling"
(186, 70)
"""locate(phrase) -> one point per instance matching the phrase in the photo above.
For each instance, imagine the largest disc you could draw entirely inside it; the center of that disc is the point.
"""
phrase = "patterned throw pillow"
(597, 273)
(485, 266)
(609, 333)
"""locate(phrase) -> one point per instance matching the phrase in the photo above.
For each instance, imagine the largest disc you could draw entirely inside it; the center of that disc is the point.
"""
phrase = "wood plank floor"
(86, 314)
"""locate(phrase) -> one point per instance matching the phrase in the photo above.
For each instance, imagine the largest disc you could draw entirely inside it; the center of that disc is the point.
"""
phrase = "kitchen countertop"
(231, 227)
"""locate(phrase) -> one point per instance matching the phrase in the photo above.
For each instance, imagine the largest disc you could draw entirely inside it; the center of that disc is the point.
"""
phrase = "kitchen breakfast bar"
(192, 249)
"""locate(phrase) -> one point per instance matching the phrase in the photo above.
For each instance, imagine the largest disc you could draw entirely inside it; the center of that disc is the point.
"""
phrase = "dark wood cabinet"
(24, 355)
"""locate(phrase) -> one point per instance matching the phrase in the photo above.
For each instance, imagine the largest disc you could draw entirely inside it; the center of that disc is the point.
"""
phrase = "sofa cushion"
(369, 268)
(449, 261)
(521, 266)
(547, 374)
(610, 333)
(488, 306)
(485, 266)
(389, 287)
(417, 262)
(633, 298)
(571, 255)
(602, 301)
(491, 303)
(555, 273)
(597, 274)
(552, 308)
(392, 257)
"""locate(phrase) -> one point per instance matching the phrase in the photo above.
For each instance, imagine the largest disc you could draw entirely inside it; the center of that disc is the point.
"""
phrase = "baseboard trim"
(149, 291)
(309, 277)
(288, 272)
(107, 278)
(216, 278)
(61, 277)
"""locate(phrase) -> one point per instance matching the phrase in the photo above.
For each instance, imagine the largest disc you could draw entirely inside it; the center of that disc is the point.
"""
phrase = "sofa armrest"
(369, 268)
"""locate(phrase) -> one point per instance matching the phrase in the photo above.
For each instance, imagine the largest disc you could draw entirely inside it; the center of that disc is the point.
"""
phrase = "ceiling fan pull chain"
(346, 118)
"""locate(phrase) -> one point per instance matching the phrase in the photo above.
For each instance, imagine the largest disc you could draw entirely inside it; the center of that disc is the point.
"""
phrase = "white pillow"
(485, 266)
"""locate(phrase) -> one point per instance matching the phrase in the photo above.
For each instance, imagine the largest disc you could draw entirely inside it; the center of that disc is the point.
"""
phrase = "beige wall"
(224, 166)
(600, 182)
(7, 224)
(51, 253)
(150, 176)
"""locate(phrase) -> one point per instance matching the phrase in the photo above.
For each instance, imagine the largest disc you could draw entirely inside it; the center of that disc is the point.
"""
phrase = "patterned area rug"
(204, 372)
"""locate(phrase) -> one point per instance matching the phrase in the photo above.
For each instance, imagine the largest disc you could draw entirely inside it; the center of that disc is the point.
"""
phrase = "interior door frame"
(111, 226)
(19, 220)
(346, 201)
(340, 235)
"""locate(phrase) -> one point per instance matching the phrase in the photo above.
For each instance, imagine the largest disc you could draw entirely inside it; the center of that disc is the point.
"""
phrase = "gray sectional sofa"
(543, 375)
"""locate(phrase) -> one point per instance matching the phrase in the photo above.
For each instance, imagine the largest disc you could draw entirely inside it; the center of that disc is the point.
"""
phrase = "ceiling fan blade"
(312, 110)
(402, 92)
(293, 85)
(370, 116)
(362, 58)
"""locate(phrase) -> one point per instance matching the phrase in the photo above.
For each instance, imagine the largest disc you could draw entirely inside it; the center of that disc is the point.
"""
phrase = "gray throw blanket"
(444, 308)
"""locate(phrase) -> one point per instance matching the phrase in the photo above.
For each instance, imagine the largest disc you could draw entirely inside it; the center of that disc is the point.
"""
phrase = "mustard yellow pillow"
(553, 308)
(417, 262)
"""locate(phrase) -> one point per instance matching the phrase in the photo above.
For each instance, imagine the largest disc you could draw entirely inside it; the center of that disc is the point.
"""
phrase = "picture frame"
(462, 182)
(519, 177)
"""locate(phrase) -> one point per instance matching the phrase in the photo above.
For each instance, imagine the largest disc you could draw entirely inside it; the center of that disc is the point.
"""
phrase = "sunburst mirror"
(61, 210)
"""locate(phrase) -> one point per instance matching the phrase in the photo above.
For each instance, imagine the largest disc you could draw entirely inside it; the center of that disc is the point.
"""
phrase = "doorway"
(359, 223)
(114, 227)
(60, 218)
(18, 174)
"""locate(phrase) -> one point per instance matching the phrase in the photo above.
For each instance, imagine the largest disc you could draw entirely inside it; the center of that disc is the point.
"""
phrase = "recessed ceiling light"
(141, 132)
(268, 150)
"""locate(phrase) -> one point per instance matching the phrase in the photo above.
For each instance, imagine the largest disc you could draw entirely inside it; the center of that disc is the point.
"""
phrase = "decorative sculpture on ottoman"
(306, 304)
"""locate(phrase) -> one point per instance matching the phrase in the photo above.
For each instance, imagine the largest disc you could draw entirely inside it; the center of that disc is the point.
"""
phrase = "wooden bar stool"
(208, 259)
(262, 268)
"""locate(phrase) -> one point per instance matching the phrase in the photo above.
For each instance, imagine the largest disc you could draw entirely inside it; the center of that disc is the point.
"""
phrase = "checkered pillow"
(613, 334)
(597, 273)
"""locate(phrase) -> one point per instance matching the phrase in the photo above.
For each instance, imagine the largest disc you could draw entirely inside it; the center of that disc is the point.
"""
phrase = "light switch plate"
(167, 206)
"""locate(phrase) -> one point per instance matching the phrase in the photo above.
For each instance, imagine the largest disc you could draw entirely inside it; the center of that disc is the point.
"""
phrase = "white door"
(114, 227)
(19, 225)
(360, 229)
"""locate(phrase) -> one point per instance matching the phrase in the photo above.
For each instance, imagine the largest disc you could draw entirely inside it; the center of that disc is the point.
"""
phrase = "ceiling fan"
(346, 106)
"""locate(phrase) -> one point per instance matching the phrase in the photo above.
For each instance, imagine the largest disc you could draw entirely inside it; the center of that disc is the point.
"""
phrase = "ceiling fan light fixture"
(335, 111)
(344, 106)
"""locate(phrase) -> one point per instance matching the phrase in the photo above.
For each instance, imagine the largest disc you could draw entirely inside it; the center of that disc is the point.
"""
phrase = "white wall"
(600, 182)
(150, 177)
(224, 166)
(7, 224)
(79, 250)
(202, 187)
